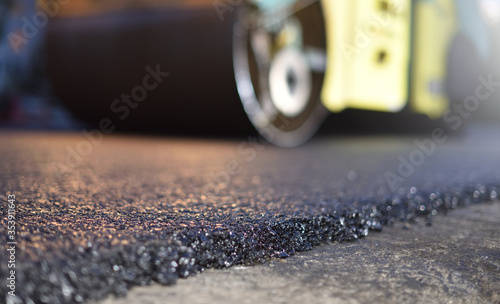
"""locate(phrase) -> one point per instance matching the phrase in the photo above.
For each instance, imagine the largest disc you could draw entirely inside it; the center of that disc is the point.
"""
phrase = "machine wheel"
(279, 60)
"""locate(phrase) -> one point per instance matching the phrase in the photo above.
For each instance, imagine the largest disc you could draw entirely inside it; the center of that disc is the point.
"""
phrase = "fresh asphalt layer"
(453, 261)
(96, 216)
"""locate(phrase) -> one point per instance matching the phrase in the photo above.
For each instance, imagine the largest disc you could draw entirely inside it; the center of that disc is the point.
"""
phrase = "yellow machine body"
(386, 54)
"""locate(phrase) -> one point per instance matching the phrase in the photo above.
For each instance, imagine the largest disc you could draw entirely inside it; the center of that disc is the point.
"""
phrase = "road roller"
(279, 67)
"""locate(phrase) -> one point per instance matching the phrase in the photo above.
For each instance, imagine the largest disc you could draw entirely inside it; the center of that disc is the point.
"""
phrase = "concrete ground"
(455, 261)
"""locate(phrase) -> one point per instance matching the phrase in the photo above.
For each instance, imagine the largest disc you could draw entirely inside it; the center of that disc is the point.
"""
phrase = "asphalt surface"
(95, 218)
(453, 261)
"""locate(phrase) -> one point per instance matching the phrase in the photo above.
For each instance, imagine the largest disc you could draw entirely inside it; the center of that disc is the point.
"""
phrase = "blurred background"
(227, 69)
(63, 63)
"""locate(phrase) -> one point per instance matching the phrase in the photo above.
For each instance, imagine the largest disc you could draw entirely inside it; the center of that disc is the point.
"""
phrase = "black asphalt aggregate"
(452, 261)
(97, 217)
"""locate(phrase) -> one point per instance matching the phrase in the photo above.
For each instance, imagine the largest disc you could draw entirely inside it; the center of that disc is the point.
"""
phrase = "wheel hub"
(290, 81)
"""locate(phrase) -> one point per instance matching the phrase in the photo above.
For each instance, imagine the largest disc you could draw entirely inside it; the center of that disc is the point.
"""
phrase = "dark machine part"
(94, 59)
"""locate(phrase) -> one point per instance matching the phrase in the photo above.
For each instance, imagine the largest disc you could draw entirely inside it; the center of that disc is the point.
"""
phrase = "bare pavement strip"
(457, 260)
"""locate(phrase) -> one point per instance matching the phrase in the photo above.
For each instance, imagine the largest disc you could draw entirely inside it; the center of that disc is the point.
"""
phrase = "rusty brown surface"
(91, 7)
